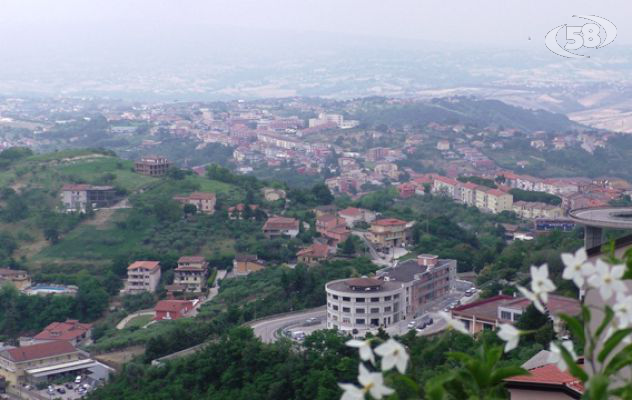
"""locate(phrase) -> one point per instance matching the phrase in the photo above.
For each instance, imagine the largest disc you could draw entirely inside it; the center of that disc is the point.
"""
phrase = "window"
(346, 309)
(375, 299)
(359, 310)
(360, 300)
(360, 321)
(516, 316)
(375, 310)
(387, 298)
(387, 309)
(346, 299)
(396, 296)
(505, 315)
(335, 307)
(335, 297)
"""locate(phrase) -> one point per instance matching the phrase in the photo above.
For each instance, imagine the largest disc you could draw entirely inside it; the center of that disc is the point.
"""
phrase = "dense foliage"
(531, 196)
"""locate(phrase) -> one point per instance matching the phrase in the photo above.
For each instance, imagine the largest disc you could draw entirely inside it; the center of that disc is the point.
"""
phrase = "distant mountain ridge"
(463, 110)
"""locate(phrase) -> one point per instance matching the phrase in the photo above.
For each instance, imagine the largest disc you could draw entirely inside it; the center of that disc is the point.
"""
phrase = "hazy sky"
(486, 22)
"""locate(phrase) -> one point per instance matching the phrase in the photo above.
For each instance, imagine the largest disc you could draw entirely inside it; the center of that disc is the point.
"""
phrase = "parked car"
(412, 324)
(69, 386)
(311, 321)
(61, 390)
(78, 379)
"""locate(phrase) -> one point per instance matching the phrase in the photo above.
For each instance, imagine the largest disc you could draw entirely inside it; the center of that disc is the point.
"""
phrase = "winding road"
(267, 329)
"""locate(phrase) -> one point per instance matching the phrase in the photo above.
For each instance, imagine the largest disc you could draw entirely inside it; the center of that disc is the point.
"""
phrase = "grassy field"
(93, 244)
(139, 321)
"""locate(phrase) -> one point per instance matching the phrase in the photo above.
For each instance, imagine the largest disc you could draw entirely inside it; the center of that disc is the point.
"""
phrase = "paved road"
(268, 328)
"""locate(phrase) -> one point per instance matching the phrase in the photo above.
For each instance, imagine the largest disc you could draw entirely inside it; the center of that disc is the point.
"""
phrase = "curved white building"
(358, 305)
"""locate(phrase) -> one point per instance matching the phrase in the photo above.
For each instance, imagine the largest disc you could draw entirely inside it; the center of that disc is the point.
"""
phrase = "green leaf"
(597, 388)
(501, 374)
(613, 342)
(619, 360)
(605, 322)
(573, 368)
(575, 326)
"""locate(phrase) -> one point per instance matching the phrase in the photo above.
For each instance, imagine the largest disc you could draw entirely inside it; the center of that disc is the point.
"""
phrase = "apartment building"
(425, 280)
(360, 305)
(387, 233)
(17, 363)
(204, 202)
(18, 278)
(80, 197)
(191, 274)
(535, 210)
(152, 166)
(142, 276)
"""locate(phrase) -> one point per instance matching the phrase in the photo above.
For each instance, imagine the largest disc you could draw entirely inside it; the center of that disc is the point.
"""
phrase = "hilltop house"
(281, 226)
(352, 215)
(243, 264)
(172, 309)
(18, 278)
(80, 197)
(142, 276)
(204, 202)
(71, 331)
(152, 166)
(191, 274)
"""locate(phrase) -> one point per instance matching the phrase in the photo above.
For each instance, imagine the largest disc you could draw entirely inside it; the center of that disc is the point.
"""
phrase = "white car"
(412, 324)
(78, 379)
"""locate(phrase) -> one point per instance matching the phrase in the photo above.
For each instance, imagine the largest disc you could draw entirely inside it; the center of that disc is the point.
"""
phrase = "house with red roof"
(71, 331)
(313, 254)
(142, 276)
(491, 312)
(172, 309)
(544, 381)
(18, 363)
(281, 226)
(203, 201)
(352, 215)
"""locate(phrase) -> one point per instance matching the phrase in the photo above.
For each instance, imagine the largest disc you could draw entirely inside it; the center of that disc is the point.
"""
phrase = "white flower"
(623, 310)
(510, 335)
(576, 267)
(556, 354)
(393, 354)
(373, 383)
(452, 323)
(607, 280)
(541, 285)
(364, 348)
(351, 392)
(532, 297)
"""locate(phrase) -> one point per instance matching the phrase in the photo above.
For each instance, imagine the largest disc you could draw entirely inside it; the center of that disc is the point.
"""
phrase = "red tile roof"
(69, 330)
(191, 259)
(350, 211)
(549, 374)
(172, 306)
(150, 265)
(39, 351)
(280, 223)
(201, 196)
(389, 222)
(317, 250)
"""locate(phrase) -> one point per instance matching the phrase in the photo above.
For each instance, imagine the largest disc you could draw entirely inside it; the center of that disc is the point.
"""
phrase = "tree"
(51, 234)
(190, 209)
(322, 194)
(348, 246)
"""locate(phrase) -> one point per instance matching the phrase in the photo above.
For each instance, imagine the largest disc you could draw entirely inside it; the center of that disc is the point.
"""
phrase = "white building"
(360, 305)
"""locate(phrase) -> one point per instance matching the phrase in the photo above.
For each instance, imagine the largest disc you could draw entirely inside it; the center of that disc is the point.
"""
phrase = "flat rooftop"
(603, 217)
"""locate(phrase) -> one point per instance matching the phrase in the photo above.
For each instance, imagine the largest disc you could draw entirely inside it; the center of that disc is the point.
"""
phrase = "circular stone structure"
(596, 219)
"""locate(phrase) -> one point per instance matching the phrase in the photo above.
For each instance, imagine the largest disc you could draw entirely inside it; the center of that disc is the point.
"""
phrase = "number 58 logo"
(596, 34)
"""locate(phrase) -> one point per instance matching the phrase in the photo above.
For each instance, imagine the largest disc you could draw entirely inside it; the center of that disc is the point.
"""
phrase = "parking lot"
(66, 391)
